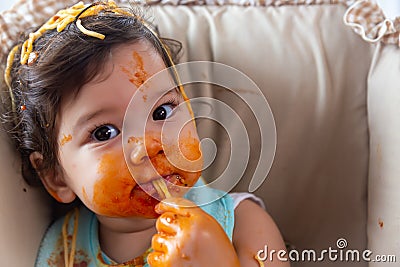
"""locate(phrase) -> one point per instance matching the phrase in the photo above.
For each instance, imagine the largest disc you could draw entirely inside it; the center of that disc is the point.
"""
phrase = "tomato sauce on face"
(190, 148)
(116, 192)
(54, 195)
(135, 71)
(65, 139)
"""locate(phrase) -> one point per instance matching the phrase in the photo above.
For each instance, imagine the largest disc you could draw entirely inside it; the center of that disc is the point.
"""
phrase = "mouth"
(173, 183)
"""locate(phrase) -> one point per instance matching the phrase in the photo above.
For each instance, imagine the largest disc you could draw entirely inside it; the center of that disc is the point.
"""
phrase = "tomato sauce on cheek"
(188, 164)
(116, 193)
(190, 148)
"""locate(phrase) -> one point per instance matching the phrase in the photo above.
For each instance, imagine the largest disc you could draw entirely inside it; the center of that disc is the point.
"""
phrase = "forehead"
(126, 68)
(133, 62)
(139, 53)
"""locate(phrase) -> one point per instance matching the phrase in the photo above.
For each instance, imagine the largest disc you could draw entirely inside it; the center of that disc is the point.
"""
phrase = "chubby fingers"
(157, 259)
(163, 246)
(168, 223)
(161, 243)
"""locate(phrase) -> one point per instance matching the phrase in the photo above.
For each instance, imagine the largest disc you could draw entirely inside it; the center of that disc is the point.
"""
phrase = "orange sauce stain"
(134, 139)
(56, 258)
(85, 195)
(65, 139)
(135, 71)
(116, 193)
(54, 18)
(190, 148)
(380, 223)
(55, 195)
(138, 261)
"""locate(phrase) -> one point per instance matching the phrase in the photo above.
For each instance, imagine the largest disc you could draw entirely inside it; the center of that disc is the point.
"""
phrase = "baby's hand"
(188, 236)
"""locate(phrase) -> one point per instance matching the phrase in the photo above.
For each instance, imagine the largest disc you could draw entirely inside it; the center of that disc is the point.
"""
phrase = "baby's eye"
(163, 112)
(105, 132)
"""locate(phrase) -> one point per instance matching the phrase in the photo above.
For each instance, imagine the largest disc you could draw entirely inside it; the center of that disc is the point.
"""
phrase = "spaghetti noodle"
(161, 188)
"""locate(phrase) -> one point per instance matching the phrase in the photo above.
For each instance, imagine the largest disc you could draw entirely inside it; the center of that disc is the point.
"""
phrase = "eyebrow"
(88, 117)
(174, 91)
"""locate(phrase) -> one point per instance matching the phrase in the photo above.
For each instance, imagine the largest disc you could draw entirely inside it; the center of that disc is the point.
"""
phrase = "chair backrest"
(312, 69)
(384, 125)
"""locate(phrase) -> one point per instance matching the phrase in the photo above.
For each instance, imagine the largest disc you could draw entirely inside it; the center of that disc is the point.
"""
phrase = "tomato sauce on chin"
(116, 193)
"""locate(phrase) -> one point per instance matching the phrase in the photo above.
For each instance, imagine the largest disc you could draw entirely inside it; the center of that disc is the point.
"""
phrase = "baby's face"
(90, 139)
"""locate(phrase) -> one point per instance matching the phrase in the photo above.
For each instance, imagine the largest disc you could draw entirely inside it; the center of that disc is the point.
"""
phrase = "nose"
(138, 153)
(143, 148)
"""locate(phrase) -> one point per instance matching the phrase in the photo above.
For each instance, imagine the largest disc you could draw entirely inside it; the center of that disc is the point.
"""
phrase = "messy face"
(90, 140)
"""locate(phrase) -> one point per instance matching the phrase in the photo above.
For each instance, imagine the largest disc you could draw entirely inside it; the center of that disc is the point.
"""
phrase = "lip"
(148, 187)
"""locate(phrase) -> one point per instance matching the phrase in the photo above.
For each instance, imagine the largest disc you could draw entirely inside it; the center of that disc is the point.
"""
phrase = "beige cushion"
(24, 212)
(384, 169)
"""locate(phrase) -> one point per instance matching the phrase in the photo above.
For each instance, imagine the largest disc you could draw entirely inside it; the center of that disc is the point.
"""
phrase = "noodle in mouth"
(161, 188)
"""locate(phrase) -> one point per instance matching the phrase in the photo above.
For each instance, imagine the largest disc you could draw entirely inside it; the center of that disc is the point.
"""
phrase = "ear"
(53, 180)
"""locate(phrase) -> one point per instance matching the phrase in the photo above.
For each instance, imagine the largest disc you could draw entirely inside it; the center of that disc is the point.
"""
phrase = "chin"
(128, 200)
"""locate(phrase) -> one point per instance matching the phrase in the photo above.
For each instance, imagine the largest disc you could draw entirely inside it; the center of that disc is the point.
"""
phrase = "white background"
(391, 7)
(4, 4)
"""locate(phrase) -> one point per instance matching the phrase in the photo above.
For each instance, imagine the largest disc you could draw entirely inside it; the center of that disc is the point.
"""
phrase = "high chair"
(330, 70)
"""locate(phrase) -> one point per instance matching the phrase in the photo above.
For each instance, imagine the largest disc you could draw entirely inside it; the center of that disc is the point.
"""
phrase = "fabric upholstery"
(24, 212)
(384, 123)
(304, 61)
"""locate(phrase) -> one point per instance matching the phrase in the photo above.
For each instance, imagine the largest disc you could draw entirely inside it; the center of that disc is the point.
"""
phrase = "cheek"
(184, 150)
(115, 193)
(190, 148)
(186, 156)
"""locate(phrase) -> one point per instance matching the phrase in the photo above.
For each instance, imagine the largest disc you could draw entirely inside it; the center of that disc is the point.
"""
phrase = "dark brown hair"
(66, 61)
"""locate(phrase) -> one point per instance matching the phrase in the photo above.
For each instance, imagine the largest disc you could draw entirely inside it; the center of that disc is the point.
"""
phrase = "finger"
(167, 223)
(177, 205)
(157, 259)
(160, 243)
